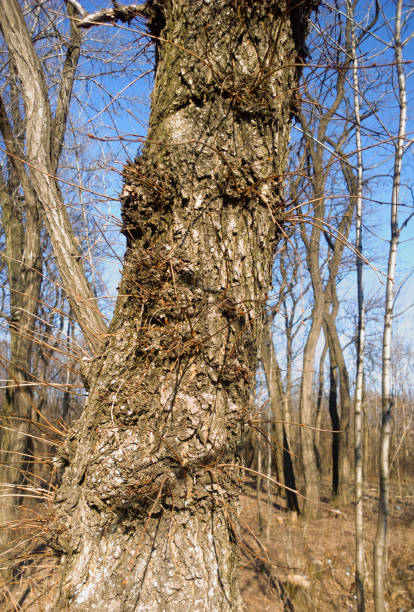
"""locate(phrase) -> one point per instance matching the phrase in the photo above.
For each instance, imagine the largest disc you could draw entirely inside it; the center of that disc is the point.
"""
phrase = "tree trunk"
(21, 226)
(286, 472)
(359, 447)
(306, 412)
(274, 390)
(319, 406)
(382, 523)
(146, 513)
(342, 487)
(333, 413)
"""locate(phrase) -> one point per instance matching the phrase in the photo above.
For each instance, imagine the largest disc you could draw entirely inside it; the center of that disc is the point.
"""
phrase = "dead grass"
(288, 564)
(308, 566)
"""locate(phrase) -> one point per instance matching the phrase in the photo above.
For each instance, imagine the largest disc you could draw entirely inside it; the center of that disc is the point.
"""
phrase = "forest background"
(314, 272)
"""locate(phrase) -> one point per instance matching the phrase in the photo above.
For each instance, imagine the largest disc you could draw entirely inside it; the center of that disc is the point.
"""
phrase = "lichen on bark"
(146, 516)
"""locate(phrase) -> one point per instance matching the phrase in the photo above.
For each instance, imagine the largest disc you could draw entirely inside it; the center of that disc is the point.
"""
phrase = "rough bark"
(146, 514)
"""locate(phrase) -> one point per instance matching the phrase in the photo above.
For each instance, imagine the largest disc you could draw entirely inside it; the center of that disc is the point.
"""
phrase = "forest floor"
(293, 565)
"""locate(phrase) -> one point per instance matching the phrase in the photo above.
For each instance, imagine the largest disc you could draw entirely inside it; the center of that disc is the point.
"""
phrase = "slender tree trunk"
(277, 401)
(381, 535)
(343, 487)
(146, 513)
(23, 257)
(333, 413)
(359, 385)
(319, 405)
(306, 413)
(267, 357)
(366, 442)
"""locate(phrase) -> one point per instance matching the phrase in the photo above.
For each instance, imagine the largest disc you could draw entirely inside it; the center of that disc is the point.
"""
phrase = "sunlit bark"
(358, 409)
(381, 535)
(147, 512)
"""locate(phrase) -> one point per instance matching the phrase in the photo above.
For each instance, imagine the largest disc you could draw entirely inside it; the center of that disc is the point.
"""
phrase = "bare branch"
(78, 7)
(119, 12)
(68, 74)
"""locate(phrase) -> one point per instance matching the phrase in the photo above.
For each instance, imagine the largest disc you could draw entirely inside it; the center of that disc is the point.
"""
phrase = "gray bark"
(146, 515)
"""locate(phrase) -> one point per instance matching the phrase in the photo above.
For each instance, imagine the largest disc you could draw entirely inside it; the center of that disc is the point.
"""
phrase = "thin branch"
(120, 12)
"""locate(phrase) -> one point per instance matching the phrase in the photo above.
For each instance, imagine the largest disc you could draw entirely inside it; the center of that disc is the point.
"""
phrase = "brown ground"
(289, 564)
(299, 566)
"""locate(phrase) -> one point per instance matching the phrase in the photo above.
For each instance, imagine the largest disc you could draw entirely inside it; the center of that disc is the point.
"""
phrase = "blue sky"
(131, 122)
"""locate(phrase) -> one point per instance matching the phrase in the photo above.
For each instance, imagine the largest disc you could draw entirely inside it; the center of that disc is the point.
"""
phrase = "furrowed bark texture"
(146, 514)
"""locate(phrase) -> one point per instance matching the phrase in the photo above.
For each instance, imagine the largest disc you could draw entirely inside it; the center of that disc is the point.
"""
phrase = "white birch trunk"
(380, 539)
(358, 414)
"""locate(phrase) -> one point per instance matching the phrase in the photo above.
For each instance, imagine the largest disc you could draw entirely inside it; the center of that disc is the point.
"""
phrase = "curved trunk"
(306, 413)
(146, 513)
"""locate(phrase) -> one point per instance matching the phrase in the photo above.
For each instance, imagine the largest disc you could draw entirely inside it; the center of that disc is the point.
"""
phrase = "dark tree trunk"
(341, 443)
(147, 511)
(286, 472)
(21, 224)
(333, 413)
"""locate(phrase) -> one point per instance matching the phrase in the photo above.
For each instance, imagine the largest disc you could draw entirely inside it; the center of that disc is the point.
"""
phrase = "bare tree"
(33, 138)
(325, 303)
(387, 400)
(44, 133)
(146, 512)
(359, 384)
(279, 402)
